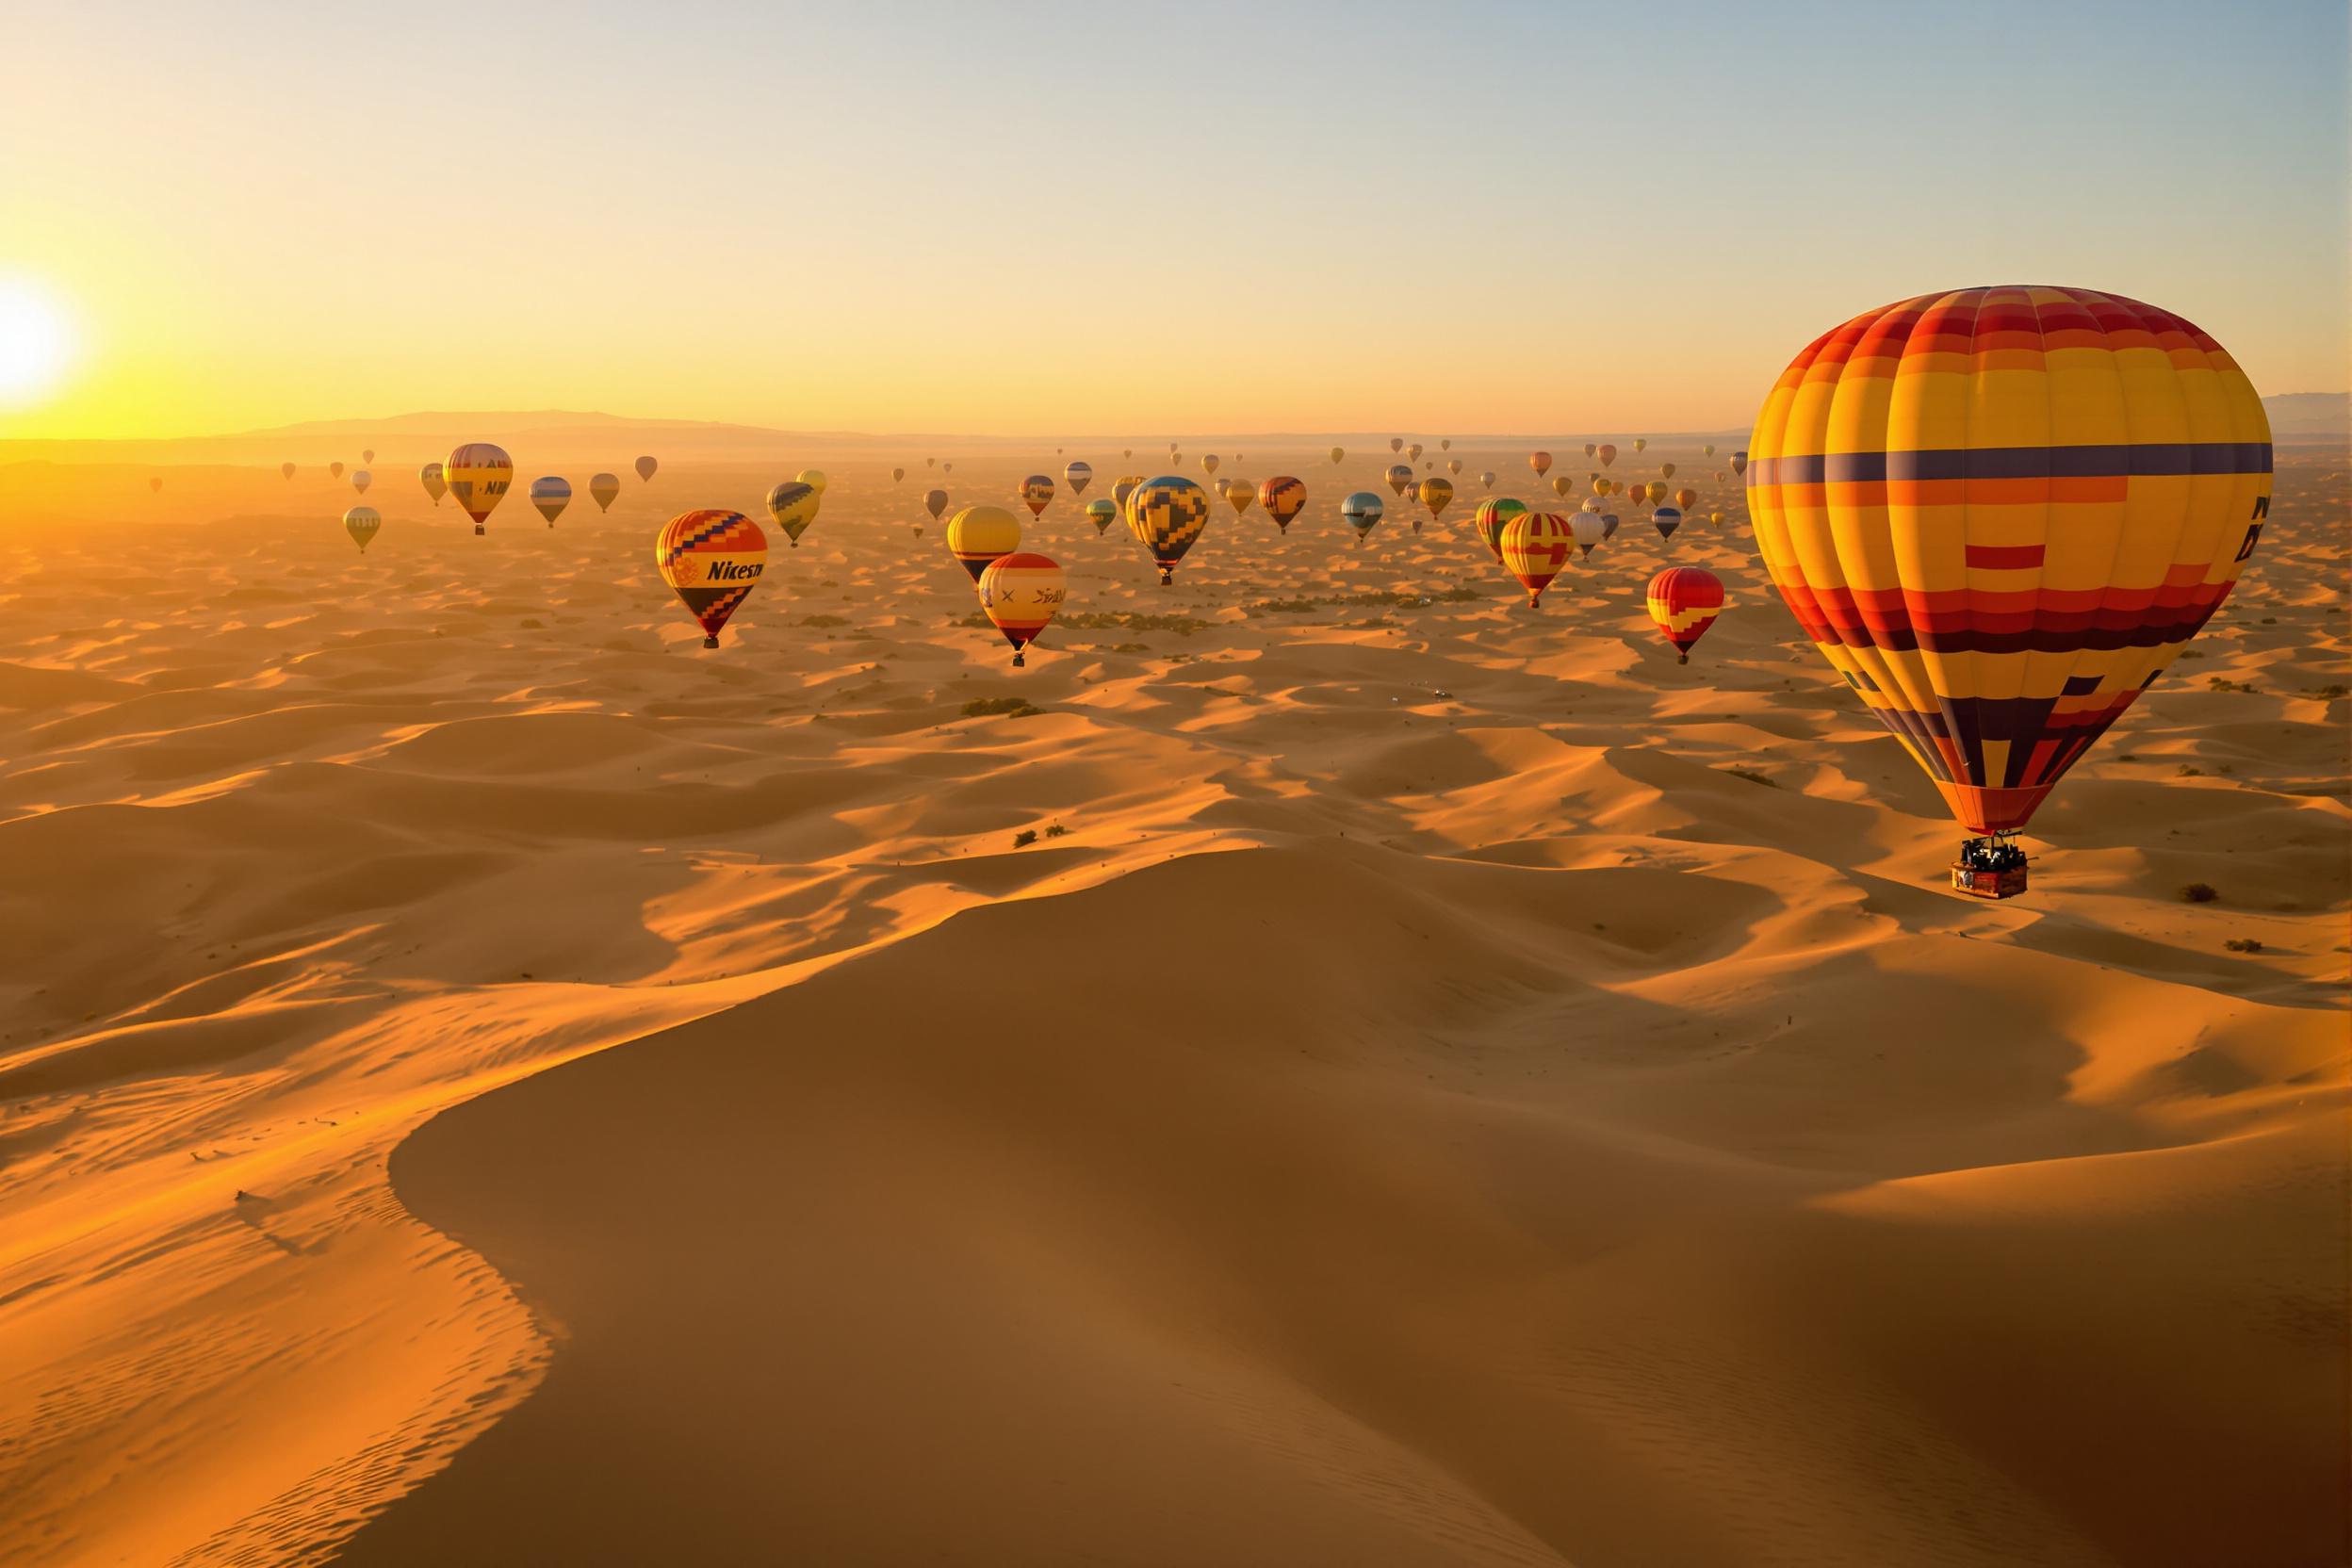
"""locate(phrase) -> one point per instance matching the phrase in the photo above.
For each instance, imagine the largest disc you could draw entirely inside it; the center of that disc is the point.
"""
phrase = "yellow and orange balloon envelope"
(1535, 548)
(2001, 513)
(1640, 442)
(1541, 462)
(1167, 515)
(1684, 497)
(1240, 493)
(1123, 487)
(712, 561)
(1654, 492)
(1561, 485)
(1037, 493)
(435, 484)
(551, 496)
(1684, 601)
(1437, 495)
(479, 475)
(979, 534)
(1608, 455)
(604, 489)
(1021, 592)
(1399, 476)
(361, 523)
(1490, 517)
(1208, 463)
(793, 505)
(645, 467)
(813, 478)
(1282, 496)
(1338, 452)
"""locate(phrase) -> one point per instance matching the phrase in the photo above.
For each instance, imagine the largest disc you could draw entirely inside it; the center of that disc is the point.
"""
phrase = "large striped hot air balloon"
(551, 496)
(1684, 601)
(2001, 513)
(1282, 497)
(793, 505)
(1019, 593)
(1490, 517)
(979, 534)
(1667, 518)
(1535, 548)
(1167, 515)
(712, 561)
(479, 475)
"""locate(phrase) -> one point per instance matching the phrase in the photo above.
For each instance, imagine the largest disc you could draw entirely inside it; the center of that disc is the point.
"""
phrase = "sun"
(36, 342)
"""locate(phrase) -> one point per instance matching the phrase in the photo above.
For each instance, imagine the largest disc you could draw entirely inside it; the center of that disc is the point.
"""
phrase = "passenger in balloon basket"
(1992, 867)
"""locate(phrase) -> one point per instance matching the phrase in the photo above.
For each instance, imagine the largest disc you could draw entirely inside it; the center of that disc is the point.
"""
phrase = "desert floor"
(484, 1080)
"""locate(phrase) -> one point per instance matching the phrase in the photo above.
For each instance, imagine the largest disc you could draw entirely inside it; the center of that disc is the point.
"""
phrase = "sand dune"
(476, 1062)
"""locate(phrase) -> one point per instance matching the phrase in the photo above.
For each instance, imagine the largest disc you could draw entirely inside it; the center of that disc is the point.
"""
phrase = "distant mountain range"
(560, 436)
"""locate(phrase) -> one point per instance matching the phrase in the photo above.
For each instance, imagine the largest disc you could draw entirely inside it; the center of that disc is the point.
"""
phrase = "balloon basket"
(709, 642)
(1989, 868)
(479, 530)
(1019, 662)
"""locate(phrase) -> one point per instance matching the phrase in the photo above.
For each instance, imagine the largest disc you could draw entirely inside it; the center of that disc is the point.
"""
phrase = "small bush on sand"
(2243, 944)
(1023, 838)
(1753, 776)
(1011, 707)
(2199, 892)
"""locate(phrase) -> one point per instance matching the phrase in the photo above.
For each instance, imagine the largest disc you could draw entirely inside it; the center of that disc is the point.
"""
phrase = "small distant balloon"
(645, 465)
(285, 470)
(1282, 496)
(549, 496)
(1103, 512)
(1037, 493)
(935, 503)
(479, 475)
(793, 505)
(1399, 476)
(1541, 462)
(604, 489)
(1684, 602)
(361, 480)
(1078, 475)
(361, 523)
(435, 486)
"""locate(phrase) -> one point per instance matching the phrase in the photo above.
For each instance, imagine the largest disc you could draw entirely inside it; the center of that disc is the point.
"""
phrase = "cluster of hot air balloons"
(478, 474)
(1999, 513)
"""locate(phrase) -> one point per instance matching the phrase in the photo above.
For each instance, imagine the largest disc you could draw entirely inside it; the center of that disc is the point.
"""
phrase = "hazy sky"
(1110, 217)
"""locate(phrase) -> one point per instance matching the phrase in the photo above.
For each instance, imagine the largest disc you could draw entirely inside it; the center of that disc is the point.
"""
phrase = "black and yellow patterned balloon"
(1167, 515)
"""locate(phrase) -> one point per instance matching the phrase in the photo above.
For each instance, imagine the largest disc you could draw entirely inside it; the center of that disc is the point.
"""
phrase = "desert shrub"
(1753, 776)
(1023, 838)
(2199, 892)
(1013, 708)
(2243, 944)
